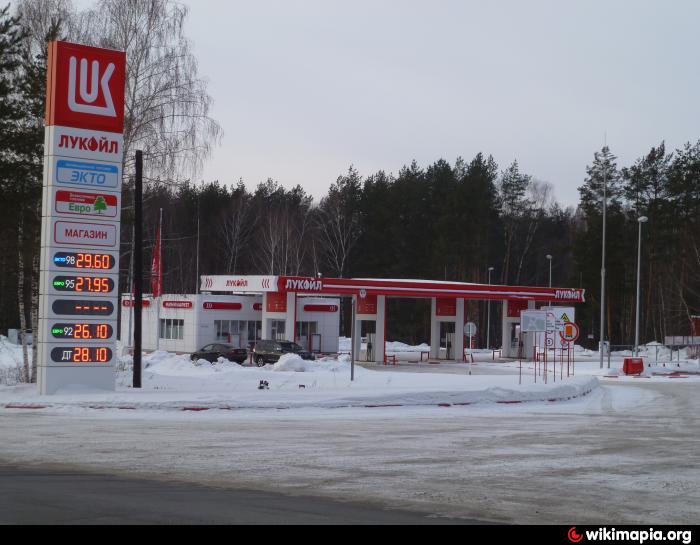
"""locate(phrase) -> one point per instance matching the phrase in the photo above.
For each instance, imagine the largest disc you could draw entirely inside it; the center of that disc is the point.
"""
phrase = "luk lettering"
(88, 97)
(303, 285)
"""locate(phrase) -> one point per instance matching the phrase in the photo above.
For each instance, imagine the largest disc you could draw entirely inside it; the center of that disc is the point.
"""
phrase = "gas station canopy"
(388, 287)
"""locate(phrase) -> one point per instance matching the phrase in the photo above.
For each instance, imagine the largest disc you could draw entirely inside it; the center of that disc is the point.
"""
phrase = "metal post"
(471, 357)
(160, 279)
(640, 221)
(488, 317)
(353, 332)
(197, 281)
(138, 267)
(602, 268)
(549, 258)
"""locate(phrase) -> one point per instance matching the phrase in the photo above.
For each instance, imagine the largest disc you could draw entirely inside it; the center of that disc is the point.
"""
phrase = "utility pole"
(549, 258)
(602, 268)
(197, 267)
(353, 332)
(640, 220)
(488, 316)
(138, 267)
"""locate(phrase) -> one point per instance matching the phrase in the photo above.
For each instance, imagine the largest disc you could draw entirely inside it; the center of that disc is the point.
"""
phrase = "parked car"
(214, 351)
(270, 351)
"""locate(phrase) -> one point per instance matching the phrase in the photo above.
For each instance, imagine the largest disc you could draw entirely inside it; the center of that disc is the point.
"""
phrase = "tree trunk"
(35, 313)
(20, 301)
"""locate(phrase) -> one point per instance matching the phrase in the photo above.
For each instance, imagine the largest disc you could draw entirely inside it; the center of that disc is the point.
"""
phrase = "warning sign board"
(569, 332)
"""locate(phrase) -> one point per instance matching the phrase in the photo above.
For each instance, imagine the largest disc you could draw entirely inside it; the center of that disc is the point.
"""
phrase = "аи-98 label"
(84, 260)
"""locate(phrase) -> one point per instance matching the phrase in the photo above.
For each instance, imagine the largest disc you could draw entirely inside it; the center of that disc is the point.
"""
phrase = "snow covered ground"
(625, 452)
(171, 381)
(174, 382)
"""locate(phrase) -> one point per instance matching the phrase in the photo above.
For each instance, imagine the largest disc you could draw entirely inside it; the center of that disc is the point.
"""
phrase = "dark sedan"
(212, 352)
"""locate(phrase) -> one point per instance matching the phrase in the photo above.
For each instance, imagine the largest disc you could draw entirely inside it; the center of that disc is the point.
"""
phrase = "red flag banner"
(156, 269)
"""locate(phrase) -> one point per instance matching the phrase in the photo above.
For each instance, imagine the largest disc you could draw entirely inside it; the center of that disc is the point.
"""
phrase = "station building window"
(249, 330)
(306, 329)
(172, 329)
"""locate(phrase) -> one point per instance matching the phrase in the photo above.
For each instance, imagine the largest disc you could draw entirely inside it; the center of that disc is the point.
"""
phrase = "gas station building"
(278, 307)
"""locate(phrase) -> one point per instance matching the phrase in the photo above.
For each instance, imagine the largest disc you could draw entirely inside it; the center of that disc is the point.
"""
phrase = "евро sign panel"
(85, 87)
(94, 205)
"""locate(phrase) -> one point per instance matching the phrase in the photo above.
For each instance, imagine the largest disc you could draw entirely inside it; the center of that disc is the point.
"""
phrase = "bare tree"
(539, 196)
(270, 242)
(236, 229)
(39, 17)
(340, 219)
(167, 103)
(20, 299)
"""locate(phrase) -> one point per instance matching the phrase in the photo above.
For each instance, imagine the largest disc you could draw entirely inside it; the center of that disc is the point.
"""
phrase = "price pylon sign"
(81, 212)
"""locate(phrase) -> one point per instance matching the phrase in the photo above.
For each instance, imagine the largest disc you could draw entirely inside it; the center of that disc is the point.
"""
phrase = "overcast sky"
(303, 89)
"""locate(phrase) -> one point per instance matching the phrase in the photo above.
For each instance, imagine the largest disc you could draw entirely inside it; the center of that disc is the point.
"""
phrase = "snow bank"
(294, 363)
(11, 362)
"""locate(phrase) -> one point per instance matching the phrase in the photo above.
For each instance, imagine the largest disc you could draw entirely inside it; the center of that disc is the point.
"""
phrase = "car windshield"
(290, 347)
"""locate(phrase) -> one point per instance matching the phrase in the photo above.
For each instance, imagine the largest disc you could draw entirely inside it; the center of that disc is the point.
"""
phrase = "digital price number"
(73, 307)
(81, 354)
(88, 284)
(82, 331)
(84, 260)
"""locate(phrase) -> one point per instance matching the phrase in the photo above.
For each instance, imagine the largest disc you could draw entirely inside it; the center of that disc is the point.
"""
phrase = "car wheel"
(259, 361)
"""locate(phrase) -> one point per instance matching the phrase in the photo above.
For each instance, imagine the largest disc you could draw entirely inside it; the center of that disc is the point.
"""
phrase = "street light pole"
(640, 220)
(602, 267)
(488, 316)
(549, 258)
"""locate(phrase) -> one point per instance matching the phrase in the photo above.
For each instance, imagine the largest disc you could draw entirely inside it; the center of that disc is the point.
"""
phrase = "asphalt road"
(628, 453)
(36, 496)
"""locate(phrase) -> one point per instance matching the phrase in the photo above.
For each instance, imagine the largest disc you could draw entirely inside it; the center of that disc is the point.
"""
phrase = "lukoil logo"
(303, 284)
(86, 87)
(89, 97)
(569, 295)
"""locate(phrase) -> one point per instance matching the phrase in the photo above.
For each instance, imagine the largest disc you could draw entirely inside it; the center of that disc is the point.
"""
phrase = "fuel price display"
(76, 307)
(84, 260)
(82, 331)
(86, 284)
(81, 354)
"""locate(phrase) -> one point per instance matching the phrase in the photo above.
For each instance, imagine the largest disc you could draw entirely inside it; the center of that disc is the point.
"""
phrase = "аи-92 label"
(80, 331)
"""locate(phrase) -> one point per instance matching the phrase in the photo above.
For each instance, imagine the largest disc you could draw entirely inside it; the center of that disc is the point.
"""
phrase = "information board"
(81, 212)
